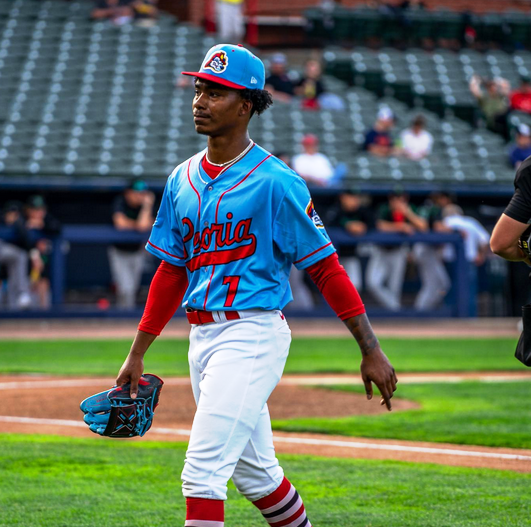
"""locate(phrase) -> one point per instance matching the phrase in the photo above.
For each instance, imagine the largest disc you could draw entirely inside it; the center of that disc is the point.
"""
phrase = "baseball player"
(232, 221)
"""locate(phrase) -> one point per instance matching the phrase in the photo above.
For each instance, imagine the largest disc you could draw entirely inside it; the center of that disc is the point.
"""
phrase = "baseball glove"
(525, 243)
(114, 413)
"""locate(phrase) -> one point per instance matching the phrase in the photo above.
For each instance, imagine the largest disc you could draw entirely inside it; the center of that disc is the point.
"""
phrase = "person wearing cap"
(521, 97)
(46, 226)
(416, 142)
(14, 257)
(132, 211)
(230, 20)
(387, 265)
(434, 279)
(278, 83)
(378, 140)
(233, 220)
(522, 149)
(313, 166)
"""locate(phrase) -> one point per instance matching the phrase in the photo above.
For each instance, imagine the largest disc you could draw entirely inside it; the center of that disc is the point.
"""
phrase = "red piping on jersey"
(217, 210)
(311, 254)
(195, 190)
(165, 252)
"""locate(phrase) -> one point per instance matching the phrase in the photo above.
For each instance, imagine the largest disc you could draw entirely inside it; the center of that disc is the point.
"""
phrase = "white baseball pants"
(234, 367)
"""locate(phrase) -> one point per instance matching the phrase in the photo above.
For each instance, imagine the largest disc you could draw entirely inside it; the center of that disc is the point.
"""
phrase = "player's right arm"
(165, 295)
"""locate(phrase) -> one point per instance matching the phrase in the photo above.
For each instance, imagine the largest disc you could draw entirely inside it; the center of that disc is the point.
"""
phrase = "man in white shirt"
(476, 240)
(416, 141)
(315, 168)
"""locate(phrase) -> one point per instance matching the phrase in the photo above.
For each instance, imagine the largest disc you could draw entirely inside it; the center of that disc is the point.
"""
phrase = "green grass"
(490, 414)
(169, 357)
(60, 482)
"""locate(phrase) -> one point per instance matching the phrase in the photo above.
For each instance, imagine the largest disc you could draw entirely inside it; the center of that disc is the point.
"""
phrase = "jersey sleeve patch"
(312, 214)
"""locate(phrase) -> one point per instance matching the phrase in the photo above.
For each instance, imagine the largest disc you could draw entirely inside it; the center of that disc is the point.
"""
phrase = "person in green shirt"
(387, 265)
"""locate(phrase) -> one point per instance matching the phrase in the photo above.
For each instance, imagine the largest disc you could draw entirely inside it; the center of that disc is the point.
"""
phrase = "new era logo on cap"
(232, 66)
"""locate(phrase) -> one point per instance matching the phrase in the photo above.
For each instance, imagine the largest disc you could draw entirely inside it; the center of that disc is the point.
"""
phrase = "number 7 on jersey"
(232, 282)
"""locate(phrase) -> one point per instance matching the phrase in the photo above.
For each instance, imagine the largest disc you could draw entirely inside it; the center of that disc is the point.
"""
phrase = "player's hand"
(408, 228)
(131, 371)
(149, 199)
(376, 368)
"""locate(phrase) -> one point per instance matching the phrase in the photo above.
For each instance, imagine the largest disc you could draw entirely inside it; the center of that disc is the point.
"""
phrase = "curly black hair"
(261, 100)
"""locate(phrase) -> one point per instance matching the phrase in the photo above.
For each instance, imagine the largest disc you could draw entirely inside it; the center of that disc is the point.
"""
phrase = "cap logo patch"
(217, 62)
(253, 81)
(312, 214)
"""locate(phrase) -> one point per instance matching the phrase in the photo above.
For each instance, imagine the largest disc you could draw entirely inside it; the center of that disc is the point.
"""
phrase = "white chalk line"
(294, 440)
(286, 381)
(73, 383)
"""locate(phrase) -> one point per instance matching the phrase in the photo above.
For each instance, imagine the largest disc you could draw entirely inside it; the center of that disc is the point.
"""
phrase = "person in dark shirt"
(435, 282)
(516, 218)
(46, 226)
(311, 86)
(355, 218)
(278, 83)
(412, 5)
(117, 11)
(14, 258)
(378, 140)
(133, 211)
(522, 149)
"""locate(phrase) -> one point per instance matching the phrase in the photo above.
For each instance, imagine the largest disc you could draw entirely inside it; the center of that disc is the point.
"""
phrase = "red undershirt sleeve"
(165, 296)
(335, 285)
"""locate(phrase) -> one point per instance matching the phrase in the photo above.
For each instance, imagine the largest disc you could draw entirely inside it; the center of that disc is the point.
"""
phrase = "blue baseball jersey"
(238, 234)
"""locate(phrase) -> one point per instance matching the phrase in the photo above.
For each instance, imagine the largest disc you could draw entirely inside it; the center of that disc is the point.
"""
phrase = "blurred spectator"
(435, 282)
(315, 168)
(476, 240)
(39, 219)
(278, 83)
(14, 257)
(351, 214)
(310, 86)
(521, 97)
(412, 5)
(492, 96)
(378, 140)
(387, 265)
(416, 141)
(119, 12)
(145, 12)
(132, 211)
(230, 21)
(522, 149)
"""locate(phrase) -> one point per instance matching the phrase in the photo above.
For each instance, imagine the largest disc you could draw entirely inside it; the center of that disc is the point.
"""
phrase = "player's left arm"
(335, 285)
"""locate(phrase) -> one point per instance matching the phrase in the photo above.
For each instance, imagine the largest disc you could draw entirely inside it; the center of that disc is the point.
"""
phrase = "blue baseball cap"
(232, 66)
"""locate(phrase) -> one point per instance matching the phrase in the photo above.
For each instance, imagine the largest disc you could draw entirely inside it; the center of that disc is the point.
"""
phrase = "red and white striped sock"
(201, 512)
(284, 507)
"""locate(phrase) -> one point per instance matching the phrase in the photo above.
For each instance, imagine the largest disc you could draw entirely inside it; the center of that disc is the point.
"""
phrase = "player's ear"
(246, 107)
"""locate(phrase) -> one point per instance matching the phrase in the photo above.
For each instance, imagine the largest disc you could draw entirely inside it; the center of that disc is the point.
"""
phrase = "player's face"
(217, 109)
